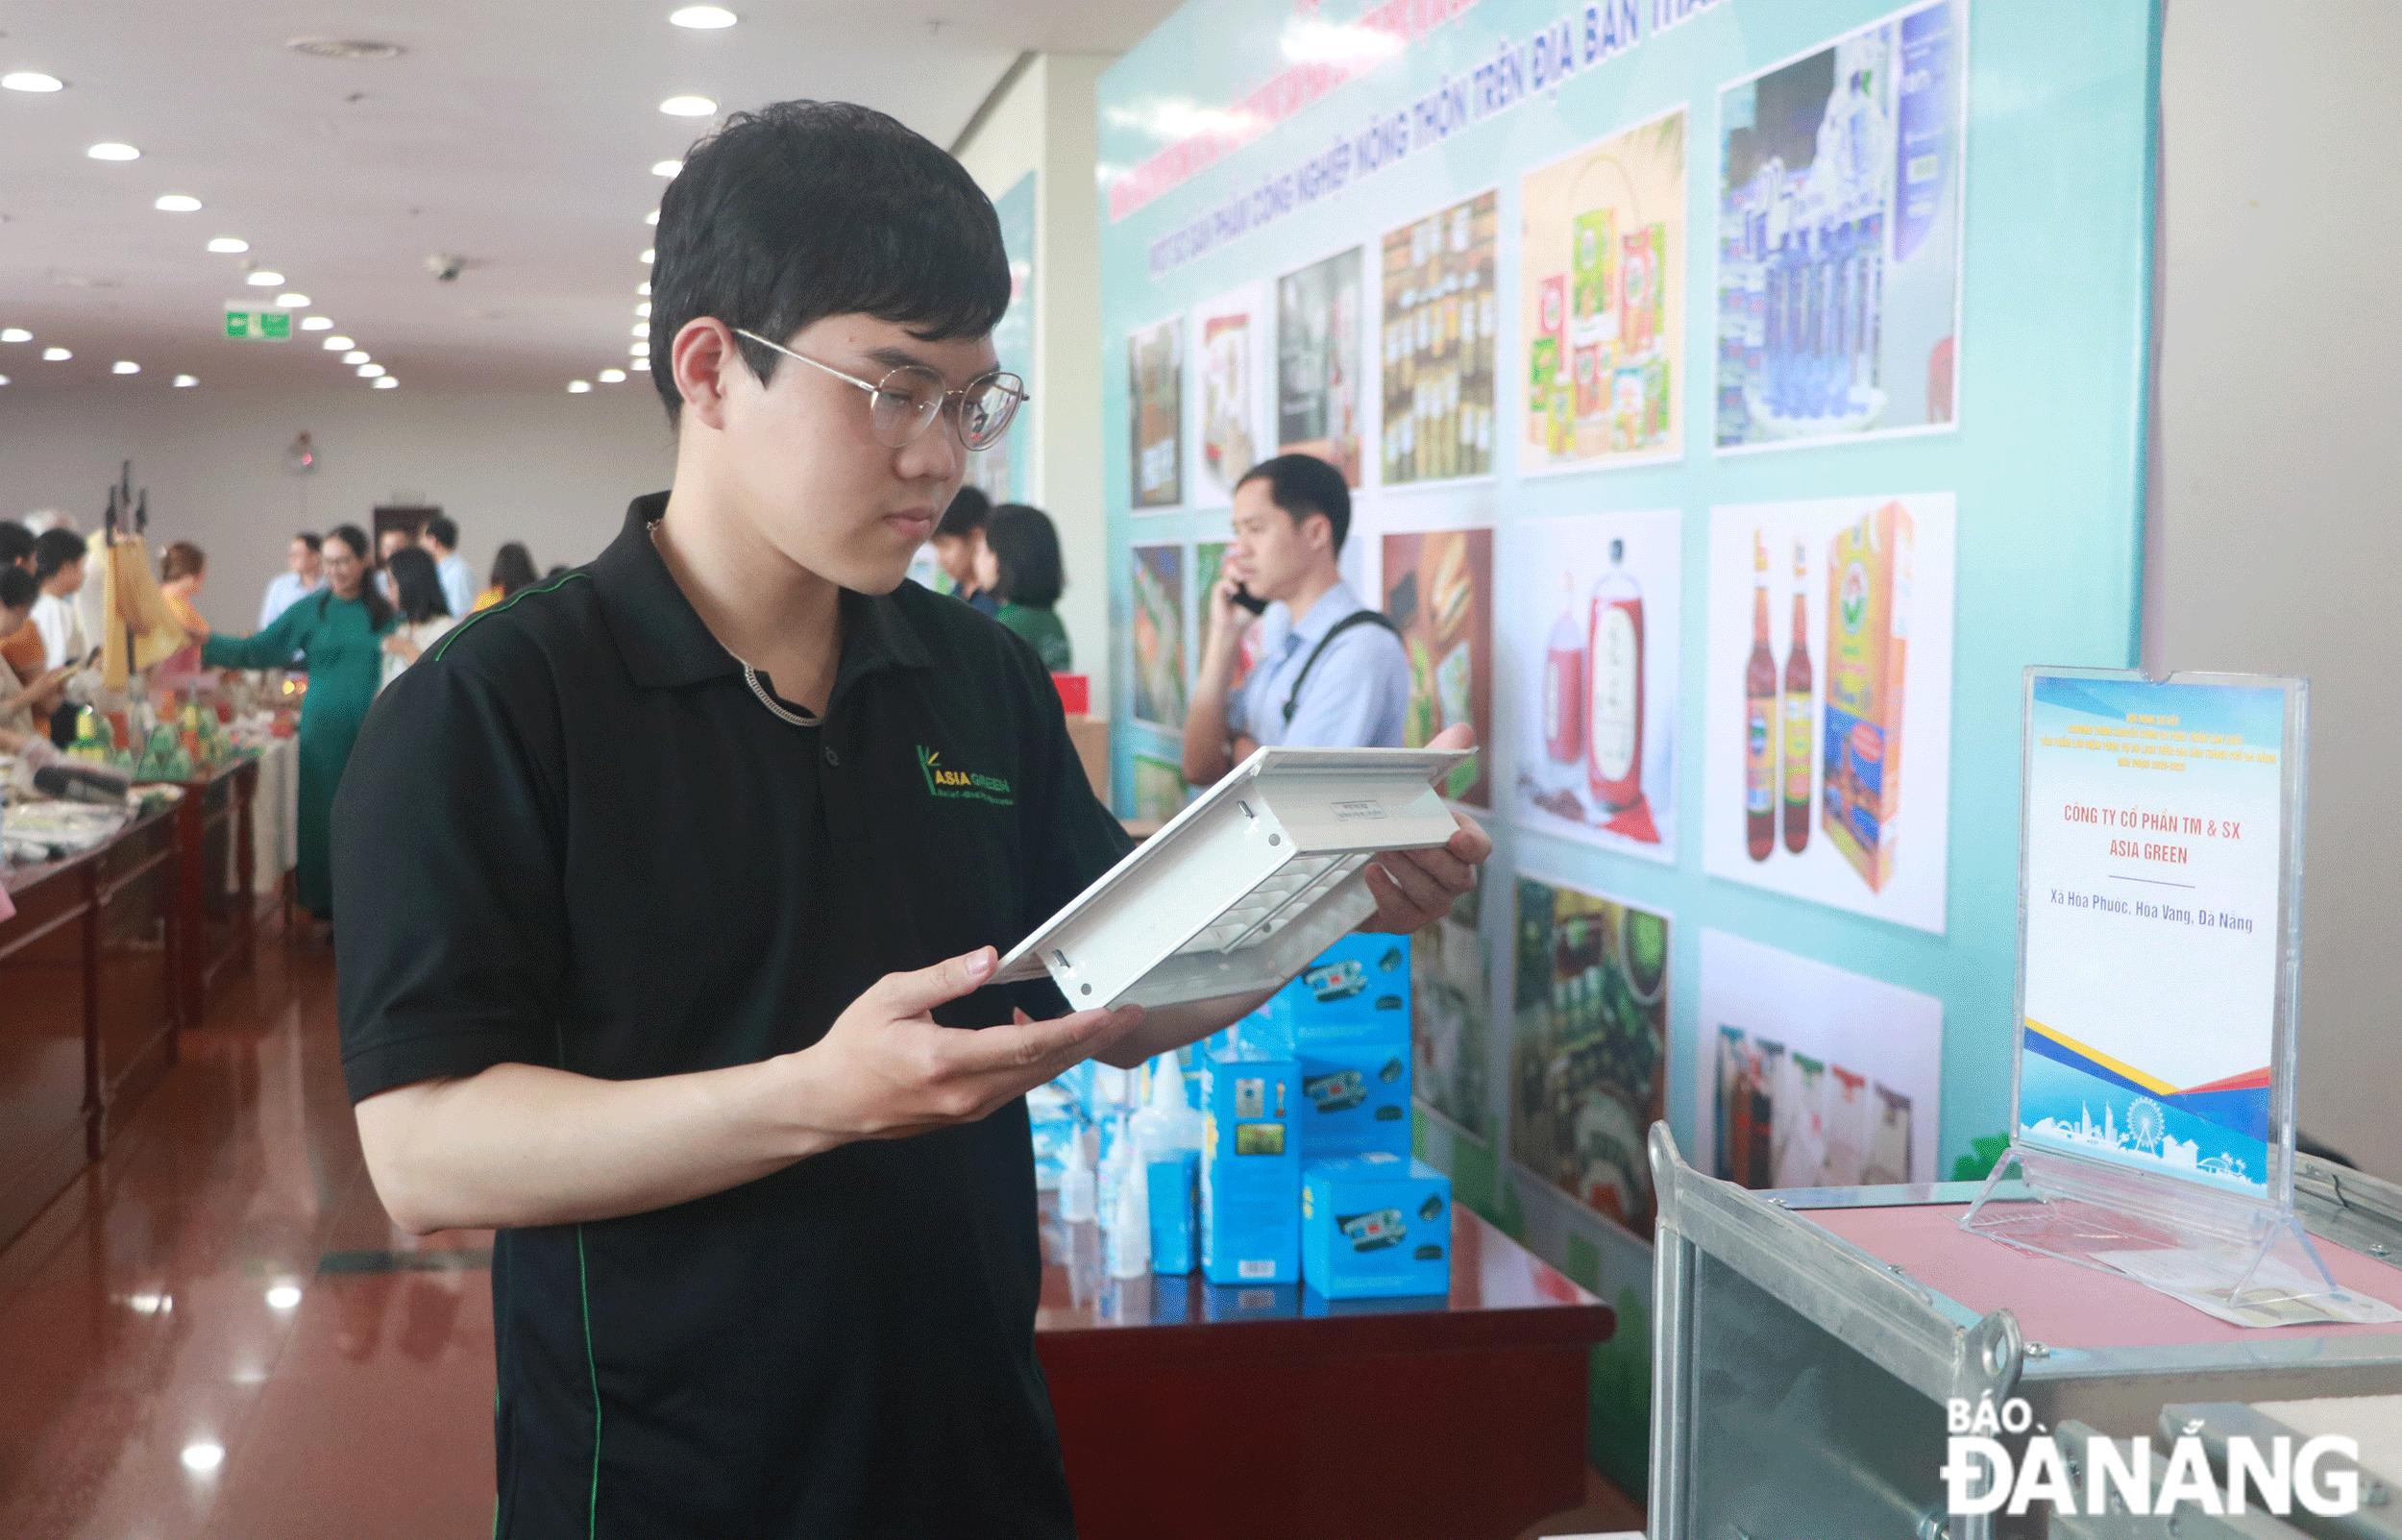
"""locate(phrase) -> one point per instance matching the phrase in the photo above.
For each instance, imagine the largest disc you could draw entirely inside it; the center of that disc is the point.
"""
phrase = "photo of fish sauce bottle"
(1613, 718)
(1796, 747)
(1760, 716)
(1564, 680)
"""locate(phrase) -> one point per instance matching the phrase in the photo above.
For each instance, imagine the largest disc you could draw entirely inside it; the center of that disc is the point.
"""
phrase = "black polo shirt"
(570, 834)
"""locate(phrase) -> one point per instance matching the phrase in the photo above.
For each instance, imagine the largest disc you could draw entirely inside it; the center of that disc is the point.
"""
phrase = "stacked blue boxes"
(1346, 1021)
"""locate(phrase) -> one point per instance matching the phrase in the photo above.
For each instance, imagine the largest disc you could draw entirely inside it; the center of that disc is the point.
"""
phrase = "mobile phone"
(1248, 600)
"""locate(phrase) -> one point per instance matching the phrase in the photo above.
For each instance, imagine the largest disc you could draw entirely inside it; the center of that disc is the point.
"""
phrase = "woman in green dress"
(340, 631)
(1019, 566)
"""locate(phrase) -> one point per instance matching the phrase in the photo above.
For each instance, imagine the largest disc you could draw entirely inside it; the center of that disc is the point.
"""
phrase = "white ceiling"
(520, 134)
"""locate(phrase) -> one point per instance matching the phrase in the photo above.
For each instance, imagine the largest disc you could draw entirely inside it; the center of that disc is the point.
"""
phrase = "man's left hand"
(1414, 888)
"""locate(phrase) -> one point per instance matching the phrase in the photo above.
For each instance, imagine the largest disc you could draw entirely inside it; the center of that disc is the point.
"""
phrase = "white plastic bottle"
(1075, 1184)
(1167, 1122)
(1129, 1234)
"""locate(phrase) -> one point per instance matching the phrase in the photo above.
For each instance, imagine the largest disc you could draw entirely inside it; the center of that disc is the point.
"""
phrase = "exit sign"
(258, 326)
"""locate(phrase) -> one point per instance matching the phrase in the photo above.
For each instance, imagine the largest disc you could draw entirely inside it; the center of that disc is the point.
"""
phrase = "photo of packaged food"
(1439, 592)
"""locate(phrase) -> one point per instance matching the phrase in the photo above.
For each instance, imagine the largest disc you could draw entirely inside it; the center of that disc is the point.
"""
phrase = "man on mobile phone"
(670, 889)
(1331, 673)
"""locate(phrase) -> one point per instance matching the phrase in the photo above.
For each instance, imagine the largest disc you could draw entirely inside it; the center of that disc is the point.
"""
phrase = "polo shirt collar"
(665, 642)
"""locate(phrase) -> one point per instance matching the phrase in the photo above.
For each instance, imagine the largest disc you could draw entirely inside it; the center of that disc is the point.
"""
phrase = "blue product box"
(1051, 1118)
(1359, 986)
(1355, 1097)
(1175, 1213)
(1250, 1168)
(1375, 1225)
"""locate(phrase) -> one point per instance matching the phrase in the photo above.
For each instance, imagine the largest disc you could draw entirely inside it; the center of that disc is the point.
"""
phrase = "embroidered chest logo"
(943, 781)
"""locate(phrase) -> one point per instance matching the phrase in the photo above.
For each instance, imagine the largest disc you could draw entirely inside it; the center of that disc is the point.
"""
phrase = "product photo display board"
(2153, 1079)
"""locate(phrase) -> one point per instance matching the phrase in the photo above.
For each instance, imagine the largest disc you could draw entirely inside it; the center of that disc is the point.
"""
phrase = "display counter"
(214, 906)
(89, 977)
(1188, 1409)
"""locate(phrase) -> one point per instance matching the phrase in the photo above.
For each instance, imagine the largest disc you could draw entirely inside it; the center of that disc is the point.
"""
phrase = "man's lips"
(917, 523)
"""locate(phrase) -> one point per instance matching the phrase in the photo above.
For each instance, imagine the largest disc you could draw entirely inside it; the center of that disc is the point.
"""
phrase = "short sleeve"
(448, 860)
(1076, 838)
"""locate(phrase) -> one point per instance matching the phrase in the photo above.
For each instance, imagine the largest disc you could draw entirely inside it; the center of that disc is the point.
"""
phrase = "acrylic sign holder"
(2078, 1206)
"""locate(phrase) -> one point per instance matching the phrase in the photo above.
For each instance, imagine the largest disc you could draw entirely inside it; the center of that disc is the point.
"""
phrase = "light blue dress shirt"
(282, 593)
(1358, 696)
(458, 584)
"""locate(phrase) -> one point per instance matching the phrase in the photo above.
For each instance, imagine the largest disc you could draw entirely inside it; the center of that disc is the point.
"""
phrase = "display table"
(1186, 1409)
(275, 816)
(214, 906)
(88, 1007)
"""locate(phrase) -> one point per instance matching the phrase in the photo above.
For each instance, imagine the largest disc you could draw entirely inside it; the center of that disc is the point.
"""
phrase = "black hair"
(1026, 547)
(417, 585)
(369, 592)
(55, 549)
(1303, 484)
(512, 568)
(18, 588)
(555, 572)
(16, 543)
(806, 210)
(969, 510)
(442, 531)
(314, 541)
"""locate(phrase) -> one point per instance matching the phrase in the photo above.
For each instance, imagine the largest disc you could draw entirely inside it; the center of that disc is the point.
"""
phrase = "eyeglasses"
(904, 403)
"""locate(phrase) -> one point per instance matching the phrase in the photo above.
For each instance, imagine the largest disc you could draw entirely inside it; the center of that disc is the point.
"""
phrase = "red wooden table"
(1186, 1409)
(214, 909)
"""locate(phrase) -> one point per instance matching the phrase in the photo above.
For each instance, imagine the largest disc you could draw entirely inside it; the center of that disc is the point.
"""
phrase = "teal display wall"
(1859, 292)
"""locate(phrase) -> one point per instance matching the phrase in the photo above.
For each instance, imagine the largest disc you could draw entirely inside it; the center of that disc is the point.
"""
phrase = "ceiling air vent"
(345, 48)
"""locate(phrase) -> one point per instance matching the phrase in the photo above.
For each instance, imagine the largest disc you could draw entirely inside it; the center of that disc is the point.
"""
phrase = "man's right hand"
(1228, 620)
(884, 1069)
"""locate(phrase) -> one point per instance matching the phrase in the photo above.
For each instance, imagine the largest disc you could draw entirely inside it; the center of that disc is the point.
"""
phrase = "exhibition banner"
(1738, 395)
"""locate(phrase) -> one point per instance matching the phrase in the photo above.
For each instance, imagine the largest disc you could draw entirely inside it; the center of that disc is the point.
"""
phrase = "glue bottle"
(1128, 1237)
(1075, 1184)
(1167, 1122)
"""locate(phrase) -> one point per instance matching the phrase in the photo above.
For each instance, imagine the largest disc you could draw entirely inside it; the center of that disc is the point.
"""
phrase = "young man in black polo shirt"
(660, 932)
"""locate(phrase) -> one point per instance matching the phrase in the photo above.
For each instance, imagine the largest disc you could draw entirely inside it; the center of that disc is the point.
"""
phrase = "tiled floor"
(218, 1334)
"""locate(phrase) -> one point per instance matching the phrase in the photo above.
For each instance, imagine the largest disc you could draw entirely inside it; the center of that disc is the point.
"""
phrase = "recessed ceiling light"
(339, 344)
(611, 377)
(317, 322)
(640, 350)
(203, 1456)
(124, 366)
(642, 309)
(176, 203)
(651, 218)
(292, 302)
(265, 280)
(56, 356)
(284, 1296)
(387, 382)
(688, 107)
(15, 334)
(4, 380)
(112, 151)
(704, 19)
(643, 288)
(650, 253)
(356, 356)
(666, 168)
(31, 79)
(579, 388)
(641, 328)
(229, 243)
(187, 381)
(371, 371)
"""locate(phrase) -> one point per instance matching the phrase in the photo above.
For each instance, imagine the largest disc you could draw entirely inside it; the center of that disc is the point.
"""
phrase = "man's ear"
(701, 360)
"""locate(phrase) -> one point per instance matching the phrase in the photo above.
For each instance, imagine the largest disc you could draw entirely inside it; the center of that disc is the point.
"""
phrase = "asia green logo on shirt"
(943, 781)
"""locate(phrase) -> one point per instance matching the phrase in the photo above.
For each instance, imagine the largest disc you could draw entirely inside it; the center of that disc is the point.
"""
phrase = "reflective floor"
(219, 1334)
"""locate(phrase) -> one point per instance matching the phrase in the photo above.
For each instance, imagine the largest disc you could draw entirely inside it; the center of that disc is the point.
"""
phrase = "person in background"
(25, 699)
(1331, 671)
(958, 540)
(512, 568)
(341, 633)
(440, 541)
(304, 574)
(182, 571)
(21, 646)
(390, 540)
(423, 611)
(1020, 565)
(59, 567)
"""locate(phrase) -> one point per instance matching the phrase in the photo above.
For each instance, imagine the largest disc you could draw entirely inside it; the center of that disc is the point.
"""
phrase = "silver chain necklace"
(804, 717)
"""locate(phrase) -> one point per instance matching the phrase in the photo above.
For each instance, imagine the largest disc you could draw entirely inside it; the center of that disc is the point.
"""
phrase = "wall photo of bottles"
(1321, 400)
(1592, 662)
(1442, 316)
(1839, 213)
(1826, 758)
(1814, 1076)
(1602, 299)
